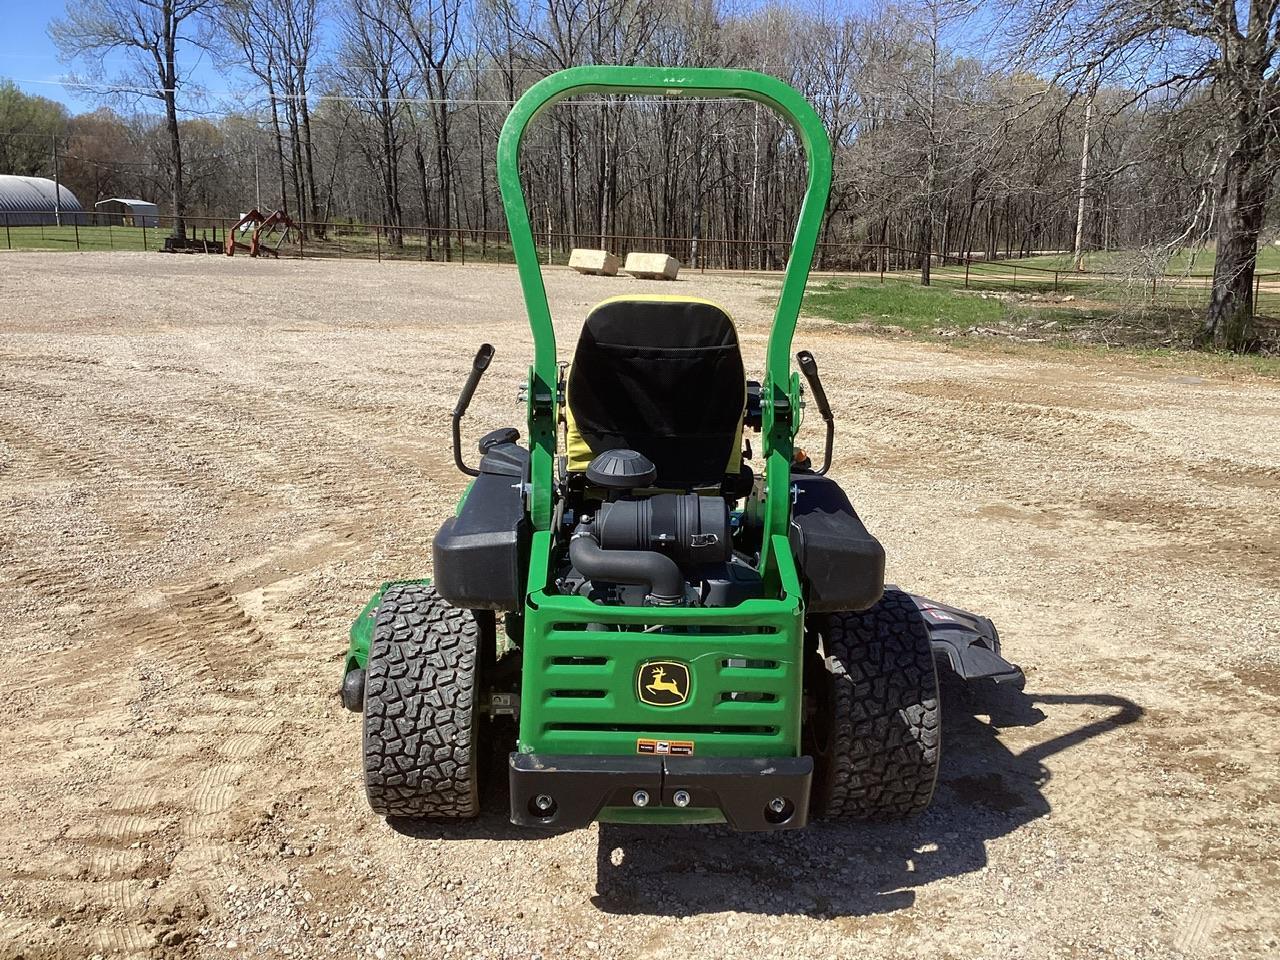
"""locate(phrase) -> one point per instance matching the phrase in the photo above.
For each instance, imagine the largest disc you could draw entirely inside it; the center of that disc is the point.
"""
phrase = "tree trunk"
(926, 244)
(275, 126)
(1242, 201)
(444, 164)
(313, 193)
(175, 147)
(482, 179)
(170, 78)
(295, 154)
(420, 161)
(1078, 262)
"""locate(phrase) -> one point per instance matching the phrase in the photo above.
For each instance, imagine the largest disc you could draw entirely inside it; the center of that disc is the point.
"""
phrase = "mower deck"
(968, 642)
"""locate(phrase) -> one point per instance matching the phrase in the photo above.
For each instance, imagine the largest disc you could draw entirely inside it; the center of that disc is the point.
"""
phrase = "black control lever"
(478, 366)
(809, 367)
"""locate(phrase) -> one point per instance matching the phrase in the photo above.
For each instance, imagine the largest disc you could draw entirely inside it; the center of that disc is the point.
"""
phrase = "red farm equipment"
(265, 228)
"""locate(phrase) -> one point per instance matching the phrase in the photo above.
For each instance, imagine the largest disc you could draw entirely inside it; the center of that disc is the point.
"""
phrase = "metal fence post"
(967, 261)
(144, 234)
(7, 238)
(377, 238)
(75, 222)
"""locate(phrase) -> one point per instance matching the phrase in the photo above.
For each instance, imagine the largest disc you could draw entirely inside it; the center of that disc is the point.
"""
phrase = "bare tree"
(372, 68)
(278, 40)
(1078, 260)
(152, 34)
(1189, 49)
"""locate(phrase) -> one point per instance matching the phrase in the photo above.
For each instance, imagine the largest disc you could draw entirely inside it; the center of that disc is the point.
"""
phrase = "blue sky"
(28, 55)
(29, 58)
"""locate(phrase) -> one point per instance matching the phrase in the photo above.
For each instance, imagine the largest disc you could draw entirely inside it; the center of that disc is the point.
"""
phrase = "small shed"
(119, 212)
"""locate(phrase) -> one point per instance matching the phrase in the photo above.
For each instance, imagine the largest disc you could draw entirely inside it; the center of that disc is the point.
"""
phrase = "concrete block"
(596, 263)
(652, 266)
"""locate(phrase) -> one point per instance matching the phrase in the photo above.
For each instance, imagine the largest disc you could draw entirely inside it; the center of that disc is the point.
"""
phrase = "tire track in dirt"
(176, 810)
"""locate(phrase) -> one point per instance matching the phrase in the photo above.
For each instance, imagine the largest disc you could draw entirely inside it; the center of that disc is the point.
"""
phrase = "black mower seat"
(661, 375)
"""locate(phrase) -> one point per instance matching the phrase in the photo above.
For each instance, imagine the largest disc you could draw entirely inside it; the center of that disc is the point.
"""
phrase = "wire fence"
(357, 240)
(1106, 289)
(881, 263)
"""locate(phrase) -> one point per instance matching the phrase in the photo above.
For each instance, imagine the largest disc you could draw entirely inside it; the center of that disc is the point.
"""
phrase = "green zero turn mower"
(688, 640)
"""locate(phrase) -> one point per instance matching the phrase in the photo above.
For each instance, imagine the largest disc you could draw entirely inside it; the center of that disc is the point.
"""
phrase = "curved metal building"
(26, 201)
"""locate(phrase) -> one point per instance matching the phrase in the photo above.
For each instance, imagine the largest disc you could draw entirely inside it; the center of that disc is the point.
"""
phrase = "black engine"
(664, 549)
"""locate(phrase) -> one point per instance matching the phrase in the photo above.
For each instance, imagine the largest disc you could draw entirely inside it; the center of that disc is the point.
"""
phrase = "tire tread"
(884, 719)
(420, 754)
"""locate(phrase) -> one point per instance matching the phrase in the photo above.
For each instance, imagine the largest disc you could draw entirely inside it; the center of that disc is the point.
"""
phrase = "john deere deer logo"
(663, 683)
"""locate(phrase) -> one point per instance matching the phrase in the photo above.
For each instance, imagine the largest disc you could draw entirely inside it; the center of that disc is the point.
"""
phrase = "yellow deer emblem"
(659, 684)
(663, 683)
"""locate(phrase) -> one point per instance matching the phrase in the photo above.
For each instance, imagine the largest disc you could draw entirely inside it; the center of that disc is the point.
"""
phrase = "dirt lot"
(205, 464)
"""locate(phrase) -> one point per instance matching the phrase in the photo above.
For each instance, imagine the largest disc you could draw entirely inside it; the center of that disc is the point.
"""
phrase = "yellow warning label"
(665, 748)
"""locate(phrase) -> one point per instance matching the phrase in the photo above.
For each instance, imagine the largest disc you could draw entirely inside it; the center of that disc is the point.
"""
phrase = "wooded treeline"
(388, 111)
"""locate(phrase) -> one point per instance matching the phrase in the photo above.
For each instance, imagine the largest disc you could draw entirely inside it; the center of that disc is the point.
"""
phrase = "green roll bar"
(781, 388)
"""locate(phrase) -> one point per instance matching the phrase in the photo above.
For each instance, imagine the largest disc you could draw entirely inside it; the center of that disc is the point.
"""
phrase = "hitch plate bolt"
(680, 798)
(778, 804)
(543, 802)
(640, 798)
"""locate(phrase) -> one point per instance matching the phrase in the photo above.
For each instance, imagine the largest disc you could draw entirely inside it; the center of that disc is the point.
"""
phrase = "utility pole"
(57, 190)
(1084, 180)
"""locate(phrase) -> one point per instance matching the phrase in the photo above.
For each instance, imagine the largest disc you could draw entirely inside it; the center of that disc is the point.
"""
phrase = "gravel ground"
(205, 464)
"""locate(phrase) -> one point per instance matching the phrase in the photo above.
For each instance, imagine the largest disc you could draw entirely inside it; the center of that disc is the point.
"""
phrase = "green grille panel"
(579, 688)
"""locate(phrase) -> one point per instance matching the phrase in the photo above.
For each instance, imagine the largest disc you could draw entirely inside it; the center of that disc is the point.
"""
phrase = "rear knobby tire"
(876, 727)
(420, 745)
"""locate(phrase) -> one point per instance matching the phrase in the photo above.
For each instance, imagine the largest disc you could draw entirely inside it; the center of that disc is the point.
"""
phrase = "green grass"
(928, 312)
(901, 302)
(1116, 295)
(81, 238)
(1198, 262)
(914, 308)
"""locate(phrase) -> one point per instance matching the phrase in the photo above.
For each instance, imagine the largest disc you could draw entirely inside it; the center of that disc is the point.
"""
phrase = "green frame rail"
(781, 389)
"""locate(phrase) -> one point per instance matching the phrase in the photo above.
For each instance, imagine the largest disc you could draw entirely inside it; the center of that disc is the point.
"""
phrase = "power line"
(875, 99)
(355, 98)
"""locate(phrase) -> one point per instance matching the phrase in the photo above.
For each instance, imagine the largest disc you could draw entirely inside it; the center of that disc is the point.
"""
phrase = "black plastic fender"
(970, 643)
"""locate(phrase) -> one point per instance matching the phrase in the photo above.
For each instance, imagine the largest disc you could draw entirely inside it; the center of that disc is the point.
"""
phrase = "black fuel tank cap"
(622, 470)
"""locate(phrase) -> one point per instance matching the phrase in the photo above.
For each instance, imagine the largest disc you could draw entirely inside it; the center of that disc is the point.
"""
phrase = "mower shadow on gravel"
(985, 791)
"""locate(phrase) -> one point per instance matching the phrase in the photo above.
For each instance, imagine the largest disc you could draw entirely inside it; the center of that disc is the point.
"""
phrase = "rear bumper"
(580, 787)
